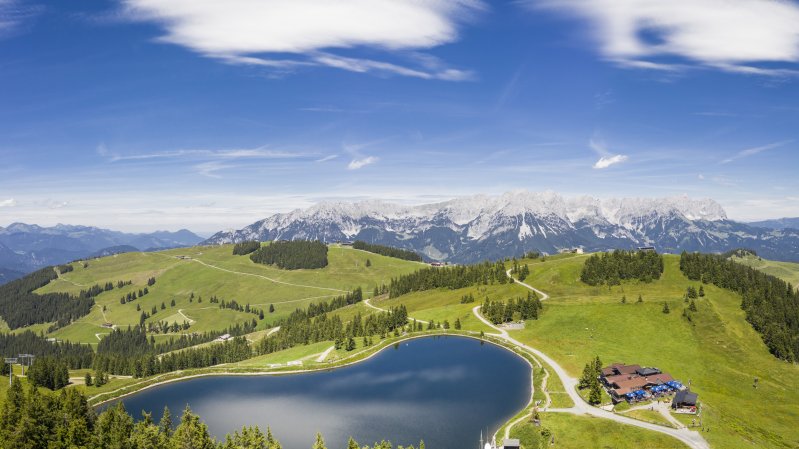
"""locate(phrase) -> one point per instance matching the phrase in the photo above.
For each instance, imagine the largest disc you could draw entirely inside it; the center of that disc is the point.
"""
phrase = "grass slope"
(213, 271)
(718, 352)
(787, 271)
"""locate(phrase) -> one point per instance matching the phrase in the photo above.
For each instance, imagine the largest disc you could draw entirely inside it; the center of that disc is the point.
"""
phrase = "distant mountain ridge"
(779, 223)
(475, 228)
(27, 247)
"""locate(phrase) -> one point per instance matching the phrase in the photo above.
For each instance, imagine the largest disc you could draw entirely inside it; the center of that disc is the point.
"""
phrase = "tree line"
(31, 419)
(75, 355)
(513, 309)
(20, 307)
(453, 277)
(389, 251)
(246, 247)
(620, 265)
(292, 255)
(771, 304)
(301, 327)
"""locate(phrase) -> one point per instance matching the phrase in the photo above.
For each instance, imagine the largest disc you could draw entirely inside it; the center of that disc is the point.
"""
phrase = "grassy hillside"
(787, 271)
(213, 271)
(717, 351)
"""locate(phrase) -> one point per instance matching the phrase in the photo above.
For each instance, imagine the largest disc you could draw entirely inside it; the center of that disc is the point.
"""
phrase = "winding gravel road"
(691, 438)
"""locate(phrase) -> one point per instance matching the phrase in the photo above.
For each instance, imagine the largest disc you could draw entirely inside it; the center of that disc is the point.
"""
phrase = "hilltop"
(186, 279)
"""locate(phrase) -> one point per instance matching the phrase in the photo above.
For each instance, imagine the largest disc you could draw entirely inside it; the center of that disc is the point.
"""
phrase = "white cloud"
(607, 161)
(606, 158)
(303, 32)
(11, 202)
(729, 35)
(753, 151)
(357, 164)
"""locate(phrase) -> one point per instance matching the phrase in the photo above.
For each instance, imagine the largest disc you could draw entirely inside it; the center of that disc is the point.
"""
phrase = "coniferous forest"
(514, 309)
(292, 255)
(613, 267)
(453, 278)
(32, 419)
(20, 307)
(389, 251)
(240, 249)
(771, 304)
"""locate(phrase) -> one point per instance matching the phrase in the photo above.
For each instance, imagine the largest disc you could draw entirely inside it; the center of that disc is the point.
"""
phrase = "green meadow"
(717, 351)
(787, 271)
(212, 271)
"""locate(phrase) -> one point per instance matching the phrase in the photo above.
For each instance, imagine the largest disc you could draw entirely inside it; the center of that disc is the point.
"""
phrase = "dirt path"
(180, 312)
(324, 355)
(369, 304)
(276, 281)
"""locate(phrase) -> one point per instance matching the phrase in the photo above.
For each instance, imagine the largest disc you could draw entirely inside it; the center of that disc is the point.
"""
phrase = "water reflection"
(443, 390)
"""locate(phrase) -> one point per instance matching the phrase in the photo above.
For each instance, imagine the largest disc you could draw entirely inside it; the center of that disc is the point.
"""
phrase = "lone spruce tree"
(319, 443)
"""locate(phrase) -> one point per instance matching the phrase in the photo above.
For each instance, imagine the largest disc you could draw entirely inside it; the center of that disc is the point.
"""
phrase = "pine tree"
(457, 324)
(368, 263)
(640, 298)
(88, 379)
(624, 299)
(351, 444)
(192, 433)
(692, 307)
(701, 291)
(271, 308)
(595, 395)
(666, 307)
(165, 424)
(319, 443)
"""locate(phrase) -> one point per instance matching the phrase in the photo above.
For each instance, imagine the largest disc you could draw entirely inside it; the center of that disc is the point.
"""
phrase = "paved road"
(691, 438)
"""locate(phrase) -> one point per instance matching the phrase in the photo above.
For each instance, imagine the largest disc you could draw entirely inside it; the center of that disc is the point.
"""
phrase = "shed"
(684, 399)
(511, 443)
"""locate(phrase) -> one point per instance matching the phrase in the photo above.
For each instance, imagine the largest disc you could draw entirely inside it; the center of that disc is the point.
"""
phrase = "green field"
(787, 271)
(718, 352)
(585, 432)
(213, 271)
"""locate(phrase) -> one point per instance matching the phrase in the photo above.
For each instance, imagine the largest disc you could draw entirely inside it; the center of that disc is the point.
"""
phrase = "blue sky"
(161, 114)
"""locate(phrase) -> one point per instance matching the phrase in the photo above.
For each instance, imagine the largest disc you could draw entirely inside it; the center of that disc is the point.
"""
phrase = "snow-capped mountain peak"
(473, 228)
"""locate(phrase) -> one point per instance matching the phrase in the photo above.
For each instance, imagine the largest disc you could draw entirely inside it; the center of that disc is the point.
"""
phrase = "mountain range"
(475, 228)
(26, 247)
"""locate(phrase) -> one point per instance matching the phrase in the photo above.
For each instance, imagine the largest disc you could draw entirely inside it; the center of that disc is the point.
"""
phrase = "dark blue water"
(443, 390)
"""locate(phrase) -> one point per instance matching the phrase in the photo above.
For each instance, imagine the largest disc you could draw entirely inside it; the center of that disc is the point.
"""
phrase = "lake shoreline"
(370, 353)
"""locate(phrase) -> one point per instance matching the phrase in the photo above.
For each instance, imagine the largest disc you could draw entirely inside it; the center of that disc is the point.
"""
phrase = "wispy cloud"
(357, 164)
(14, 13)
(211, 168)
(606, 158)
(754, 150)
(327, 158)
(230, 154)
(282, 34)
(11, 202)
(732, 36)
